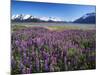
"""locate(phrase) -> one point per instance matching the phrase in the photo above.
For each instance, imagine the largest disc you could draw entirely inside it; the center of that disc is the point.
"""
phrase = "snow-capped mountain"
(88, 15)
(29, 18)
(89, 18)
(50, 18)
(22, 17)
(17, 17)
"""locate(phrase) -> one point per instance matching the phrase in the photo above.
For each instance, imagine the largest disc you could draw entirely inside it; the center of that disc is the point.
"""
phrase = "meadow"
(37, 49)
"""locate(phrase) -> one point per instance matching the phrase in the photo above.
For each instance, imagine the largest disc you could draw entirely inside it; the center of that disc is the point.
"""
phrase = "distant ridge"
(89, 18)
(30, 18)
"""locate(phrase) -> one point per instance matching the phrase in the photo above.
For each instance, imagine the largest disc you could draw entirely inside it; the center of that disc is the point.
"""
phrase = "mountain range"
(30, 18)
(89, 18)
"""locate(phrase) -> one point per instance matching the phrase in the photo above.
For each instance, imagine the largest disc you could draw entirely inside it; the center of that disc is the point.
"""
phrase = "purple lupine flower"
(39, 42)
(21, 66)
(17, 42)
(24, 55)
(30, 42)
(25, 61)
(24, 70)
(45, 55)
(28, 70)
(51, 68)
(37, 64)
(65, 62)
(24, 43)
(31, 67)
(46, 65)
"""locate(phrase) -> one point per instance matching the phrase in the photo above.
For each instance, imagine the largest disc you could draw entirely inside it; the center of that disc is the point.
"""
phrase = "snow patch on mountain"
(89, 14)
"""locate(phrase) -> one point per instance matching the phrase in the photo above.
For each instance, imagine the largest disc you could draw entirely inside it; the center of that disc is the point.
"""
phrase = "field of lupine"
(37, 49)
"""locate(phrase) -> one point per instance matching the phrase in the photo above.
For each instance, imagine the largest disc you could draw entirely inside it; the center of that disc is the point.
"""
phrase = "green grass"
(63, 27)
(72, 27)
(67, 27)
(17, 27)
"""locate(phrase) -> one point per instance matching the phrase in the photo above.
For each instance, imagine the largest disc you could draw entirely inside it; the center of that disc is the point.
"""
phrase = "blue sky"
(67, 12)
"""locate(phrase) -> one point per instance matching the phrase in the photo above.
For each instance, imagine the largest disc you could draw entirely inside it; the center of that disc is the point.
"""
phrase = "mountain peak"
(89, 18)
(88, 14)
